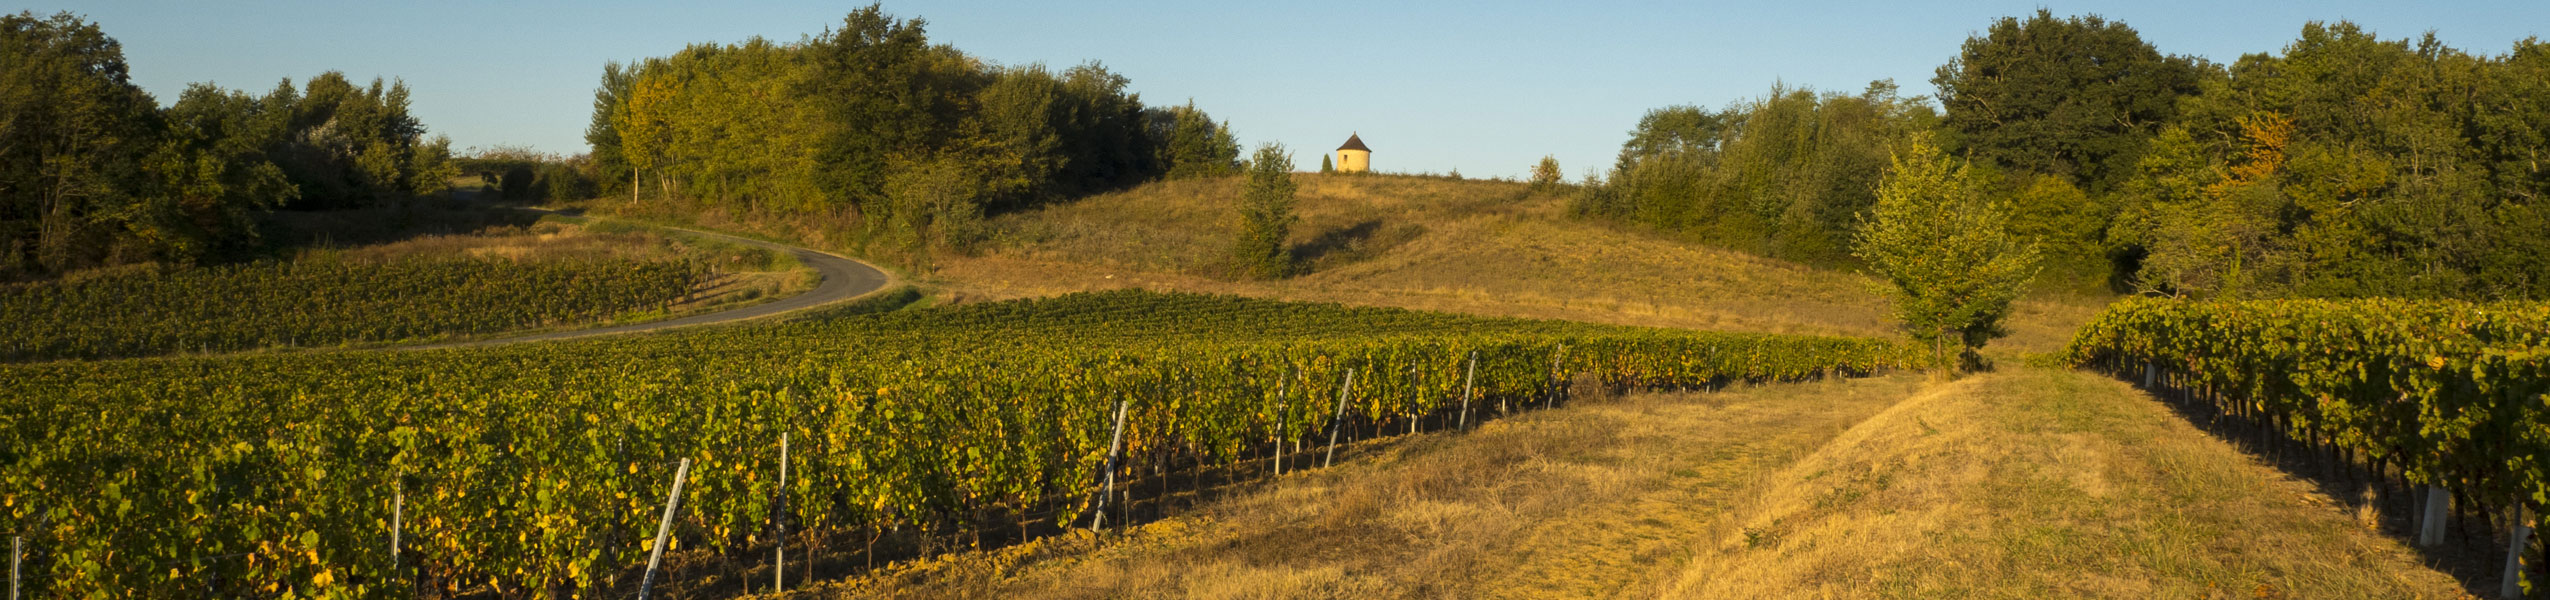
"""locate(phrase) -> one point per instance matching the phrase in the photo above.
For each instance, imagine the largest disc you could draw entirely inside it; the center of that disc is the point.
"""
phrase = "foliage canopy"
(1945, 251)
(1266, 215)
(93, 171)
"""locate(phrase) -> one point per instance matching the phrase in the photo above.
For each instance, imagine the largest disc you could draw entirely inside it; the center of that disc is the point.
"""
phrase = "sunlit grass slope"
(2028, 483)
(2043, 484)
(1474, 246)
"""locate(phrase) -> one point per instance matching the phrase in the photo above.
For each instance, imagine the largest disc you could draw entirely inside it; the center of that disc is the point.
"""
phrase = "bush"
(1947, 250)
(1266, 215)
(1546, 175)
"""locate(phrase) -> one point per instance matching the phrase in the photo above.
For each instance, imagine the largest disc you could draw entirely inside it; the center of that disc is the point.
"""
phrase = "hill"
(1482, 247)
(2023, 483)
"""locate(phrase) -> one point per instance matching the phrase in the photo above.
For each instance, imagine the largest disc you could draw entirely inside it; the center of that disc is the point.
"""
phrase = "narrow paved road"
(843, 279)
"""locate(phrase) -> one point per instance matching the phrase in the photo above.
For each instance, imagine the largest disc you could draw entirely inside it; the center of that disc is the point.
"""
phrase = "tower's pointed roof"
(1354, 142)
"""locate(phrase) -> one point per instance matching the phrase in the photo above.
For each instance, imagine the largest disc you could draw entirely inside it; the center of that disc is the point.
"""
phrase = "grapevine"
(540, 466)
(326, 303)
(2456, 394)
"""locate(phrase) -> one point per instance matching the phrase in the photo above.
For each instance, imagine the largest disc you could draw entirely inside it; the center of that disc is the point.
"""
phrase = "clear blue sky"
(1486, 87)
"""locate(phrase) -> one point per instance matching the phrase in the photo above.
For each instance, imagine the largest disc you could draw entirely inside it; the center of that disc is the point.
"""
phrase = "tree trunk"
(1939, 353)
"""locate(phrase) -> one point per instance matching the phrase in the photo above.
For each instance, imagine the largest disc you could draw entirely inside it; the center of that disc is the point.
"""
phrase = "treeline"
(1785, 175)
(871, 131)
(519, 174)
(93, 171)
(2345, 166)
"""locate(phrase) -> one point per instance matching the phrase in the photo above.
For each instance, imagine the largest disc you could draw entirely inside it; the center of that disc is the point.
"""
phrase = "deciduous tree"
(1545, 174)
(602, 133)
(1266, 215)
(1783, 175)
(937, 206)
(1945, 251)
(2074, 97)
(73, 129)
(1193, 145)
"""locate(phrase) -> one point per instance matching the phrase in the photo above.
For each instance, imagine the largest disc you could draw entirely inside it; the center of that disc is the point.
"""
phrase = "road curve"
(843, 279)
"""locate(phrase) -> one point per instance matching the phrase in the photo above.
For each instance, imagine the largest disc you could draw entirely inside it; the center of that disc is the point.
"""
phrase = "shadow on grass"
(2474, 547)
(1361, 241)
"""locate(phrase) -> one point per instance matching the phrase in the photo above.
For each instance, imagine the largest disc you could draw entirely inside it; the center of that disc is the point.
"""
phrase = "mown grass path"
(2026, 483)
(2045, 483)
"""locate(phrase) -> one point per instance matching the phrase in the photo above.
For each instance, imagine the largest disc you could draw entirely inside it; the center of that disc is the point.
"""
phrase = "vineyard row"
(244, 307)
(545, 468)
(2451, 395)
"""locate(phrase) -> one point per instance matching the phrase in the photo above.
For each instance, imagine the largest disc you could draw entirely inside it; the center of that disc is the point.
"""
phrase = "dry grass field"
(2028, 483)
(2043, 484)
(1478, 246)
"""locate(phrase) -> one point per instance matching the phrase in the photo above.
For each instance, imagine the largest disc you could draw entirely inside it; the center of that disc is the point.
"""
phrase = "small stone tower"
(1354, 157)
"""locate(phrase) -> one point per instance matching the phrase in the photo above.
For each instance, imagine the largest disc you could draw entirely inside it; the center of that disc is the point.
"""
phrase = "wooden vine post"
(2517, 538)
(1282, 428)
(1466, 382)
(1115, 442)
(1337, 419)
(1504, 406)
(398, 519)
(664, 529)
(1552, 400)
(779, 523)
(2430, 525)
(1413, 396)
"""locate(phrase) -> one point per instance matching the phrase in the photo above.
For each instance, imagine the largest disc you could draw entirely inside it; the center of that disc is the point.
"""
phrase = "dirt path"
(843, 279)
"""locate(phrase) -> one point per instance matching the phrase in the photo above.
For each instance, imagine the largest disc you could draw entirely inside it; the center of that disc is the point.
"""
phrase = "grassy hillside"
(1480, 247)
(2024, 484)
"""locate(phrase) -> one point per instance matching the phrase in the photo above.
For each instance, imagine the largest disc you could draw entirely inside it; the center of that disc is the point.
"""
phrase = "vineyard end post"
(2149, 372)
(1335, 419)
(664, 529)
(2430, 526)
(17, 547)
